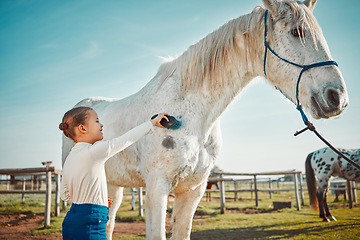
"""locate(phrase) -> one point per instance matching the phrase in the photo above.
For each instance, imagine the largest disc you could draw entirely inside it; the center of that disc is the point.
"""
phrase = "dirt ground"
(16, 226)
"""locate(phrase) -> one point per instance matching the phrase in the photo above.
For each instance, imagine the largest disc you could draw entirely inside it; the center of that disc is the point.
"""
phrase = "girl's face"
(93, 128)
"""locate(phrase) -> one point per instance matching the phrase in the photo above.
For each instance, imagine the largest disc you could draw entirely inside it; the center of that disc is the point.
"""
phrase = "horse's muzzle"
(330, 103)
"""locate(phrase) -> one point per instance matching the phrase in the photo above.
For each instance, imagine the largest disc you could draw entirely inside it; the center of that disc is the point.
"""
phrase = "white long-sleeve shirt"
(84, 179)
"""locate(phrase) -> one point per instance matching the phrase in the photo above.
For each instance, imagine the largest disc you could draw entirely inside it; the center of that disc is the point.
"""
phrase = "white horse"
(196, 87)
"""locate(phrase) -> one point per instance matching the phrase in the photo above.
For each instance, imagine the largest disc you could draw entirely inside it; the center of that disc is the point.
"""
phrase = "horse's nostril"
(333, 98)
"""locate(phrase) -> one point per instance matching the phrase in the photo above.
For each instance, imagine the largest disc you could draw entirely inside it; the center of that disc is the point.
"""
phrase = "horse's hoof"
(332, 218)
(326, 220)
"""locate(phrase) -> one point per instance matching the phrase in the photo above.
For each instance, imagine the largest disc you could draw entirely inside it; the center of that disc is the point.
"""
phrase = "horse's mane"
(206, 63)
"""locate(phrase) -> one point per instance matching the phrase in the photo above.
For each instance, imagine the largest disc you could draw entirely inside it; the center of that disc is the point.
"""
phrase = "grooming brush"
(171, 124)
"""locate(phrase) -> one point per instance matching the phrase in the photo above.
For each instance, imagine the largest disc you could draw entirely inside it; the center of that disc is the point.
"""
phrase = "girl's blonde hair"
(72, 119)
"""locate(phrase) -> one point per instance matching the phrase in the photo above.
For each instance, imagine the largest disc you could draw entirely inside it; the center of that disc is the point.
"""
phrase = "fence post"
(57, 195)
(12, 181)
(47, 195)
(37, 177)
(141, 211)
(8, 185)
(222, 195)
(132, 199)
(349, 190)
(23, 188)
(32, 183)
(270, 186)
(301, 189)
(235, 192)
(63, 206)
(296, 191)
(353, 191)
(256, 192)
(251, 187)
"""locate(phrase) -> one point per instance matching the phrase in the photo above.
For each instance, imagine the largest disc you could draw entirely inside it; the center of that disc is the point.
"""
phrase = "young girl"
(84, 181)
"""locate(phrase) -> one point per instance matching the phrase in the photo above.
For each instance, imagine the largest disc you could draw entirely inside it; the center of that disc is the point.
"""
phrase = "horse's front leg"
(157, 191)
(183, 212)
(116, 193)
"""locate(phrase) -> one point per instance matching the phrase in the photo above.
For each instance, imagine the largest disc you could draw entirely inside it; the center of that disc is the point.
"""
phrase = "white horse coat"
(196, 88)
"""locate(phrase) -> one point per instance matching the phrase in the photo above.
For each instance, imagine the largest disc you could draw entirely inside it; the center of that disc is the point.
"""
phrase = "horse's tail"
(311, 183)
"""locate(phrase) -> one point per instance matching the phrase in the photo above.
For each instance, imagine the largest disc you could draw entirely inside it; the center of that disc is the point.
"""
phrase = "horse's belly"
(123, 170)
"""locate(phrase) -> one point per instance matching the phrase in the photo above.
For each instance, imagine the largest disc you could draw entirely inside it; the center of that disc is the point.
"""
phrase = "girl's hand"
(156, 121)
(110, 201)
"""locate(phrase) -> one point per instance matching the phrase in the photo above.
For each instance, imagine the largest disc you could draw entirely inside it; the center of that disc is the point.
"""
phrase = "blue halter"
(303, 69)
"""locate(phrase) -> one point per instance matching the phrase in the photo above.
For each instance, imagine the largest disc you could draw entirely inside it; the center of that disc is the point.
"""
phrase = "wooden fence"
(297, 187)
(297, 183)
(48, 171)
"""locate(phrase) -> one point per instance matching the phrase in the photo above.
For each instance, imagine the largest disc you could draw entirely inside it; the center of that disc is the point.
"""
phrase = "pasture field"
(242, 219)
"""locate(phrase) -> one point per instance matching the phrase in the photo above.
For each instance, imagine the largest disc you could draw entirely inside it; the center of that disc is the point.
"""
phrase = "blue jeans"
(85, 221)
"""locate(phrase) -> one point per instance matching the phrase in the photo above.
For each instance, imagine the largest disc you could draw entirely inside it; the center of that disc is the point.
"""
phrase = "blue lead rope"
(303, 68)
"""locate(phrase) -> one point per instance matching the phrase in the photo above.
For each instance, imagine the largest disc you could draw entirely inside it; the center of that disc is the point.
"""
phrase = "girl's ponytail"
(63, 126)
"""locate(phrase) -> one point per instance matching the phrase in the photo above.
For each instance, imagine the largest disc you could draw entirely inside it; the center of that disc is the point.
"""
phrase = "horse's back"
(348, 171)
(328, 163)
(101, 105)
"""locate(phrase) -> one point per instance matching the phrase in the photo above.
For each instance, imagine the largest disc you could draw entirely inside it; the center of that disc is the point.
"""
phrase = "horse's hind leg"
(320, 195)
(116, 193)
(184, 208)
(327, 211)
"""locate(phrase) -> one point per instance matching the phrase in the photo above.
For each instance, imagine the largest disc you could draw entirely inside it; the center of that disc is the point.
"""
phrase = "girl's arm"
(103, 150)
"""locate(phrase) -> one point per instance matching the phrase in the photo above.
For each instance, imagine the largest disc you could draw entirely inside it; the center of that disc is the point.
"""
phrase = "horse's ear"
(272, 5)
(310, 4)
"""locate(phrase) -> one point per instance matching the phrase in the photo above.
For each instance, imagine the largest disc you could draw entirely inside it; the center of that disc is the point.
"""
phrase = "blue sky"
(55, 53)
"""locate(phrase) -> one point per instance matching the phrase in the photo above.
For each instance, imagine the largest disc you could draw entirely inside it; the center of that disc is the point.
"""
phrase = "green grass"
(234, 224)
(55, 226)
(34, 204)
(283, 224)
(17, 208)
(286, 224)
(130, 237)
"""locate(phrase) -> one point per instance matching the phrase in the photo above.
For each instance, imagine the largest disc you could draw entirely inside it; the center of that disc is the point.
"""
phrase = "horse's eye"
(298, 32)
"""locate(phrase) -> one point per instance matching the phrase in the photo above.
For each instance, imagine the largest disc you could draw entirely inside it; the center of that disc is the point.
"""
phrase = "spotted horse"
(320, 166)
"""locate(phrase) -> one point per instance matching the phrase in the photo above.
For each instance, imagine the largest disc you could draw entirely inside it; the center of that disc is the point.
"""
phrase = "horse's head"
(294, 34)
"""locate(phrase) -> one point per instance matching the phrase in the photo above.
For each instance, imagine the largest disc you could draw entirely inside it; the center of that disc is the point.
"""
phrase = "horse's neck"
(214, 103)
(206, 78)
(237, 62)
